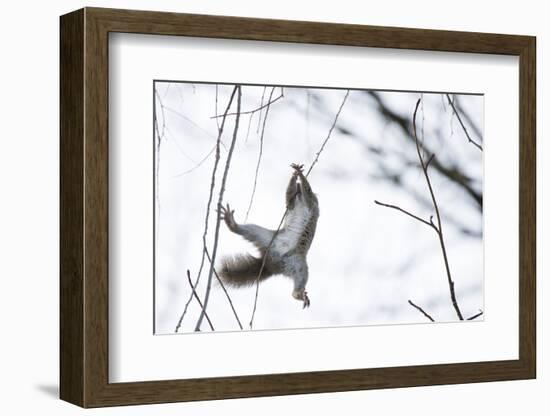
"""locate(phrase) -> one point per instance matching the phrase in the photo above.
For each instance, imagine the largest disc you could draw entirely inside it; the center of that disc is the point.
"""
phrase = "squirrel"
(286, 252)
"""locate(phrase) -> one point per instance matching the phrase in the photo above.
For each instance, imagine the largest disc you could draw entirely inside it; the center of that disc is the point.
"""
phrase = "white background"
(29, 213)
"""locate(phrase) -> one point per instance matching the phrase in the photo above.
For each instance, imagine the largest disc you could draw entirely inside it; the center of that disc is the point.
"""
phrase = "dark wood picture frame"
(84, 207)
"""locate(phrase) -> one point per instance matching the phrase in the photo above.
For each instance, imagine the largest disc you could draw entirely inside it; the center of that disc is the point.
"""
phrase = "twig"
(167, 89)
(268, 106)
(462, 124)
(261, 109)
(218, 218)
(184, 117)
(429, 224)
(216, 107)
(329, 134)
(438, 228)
(207, 216)
(248, 128)
(225, 290)
(467, 118)
(204, 159)
(450, 172)
(174, 139)
(421, 310)
(430, 160)
(197, 298)
(438, 217)
(160, 136)
(264, 259)
(477, 315)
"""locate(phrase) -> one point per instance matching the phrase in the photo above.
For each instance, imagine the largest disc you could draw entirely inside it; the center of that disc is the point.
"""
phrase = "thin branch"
(462, 124)
(198, 299)
(184, 117)
(174, 139)
(451, 172)
(261, 109)
(438, 228)
(329, 134)
(161, 105)
(167, 89)
(268, 106)
(216, 108)
(426, 202)
(264, 259)
(467, 118)
(428, 223)
(477, 315)
(421, 310)
(207, 216)
(220, 201)
(248, 129)
(204, 159)
(160, 136)
(225, 290)
(430, 160)
(438, 216)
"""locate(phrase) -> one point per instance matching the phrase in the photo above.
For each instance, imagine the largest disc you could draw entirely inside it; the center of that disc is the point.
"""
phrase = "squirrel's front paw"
(227, 215)
(298, 169)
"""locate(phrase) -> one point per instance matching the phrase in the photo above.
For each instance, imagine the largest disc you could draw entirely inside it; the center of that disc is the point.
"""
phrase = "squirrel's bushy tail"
(242, 270)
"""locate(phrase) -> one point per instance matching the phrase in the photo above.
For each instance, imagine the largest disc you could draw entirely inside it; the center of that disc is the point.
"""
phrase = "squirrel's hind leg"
(297, 269)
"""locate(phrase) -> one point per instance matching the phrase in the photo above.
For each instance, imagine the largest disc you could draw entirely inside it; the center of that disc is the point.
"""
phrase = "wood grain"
(71, 100)
(84, 206)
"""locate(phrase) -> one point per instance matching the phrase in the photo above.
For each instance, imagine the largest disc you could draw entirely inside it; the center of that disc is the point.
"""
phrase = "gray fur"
(242, 270)
(288, 251)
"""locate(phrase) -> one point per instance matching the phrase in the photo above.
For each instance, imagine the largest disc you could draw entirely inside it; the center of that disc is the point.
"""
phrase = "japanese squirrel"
(288, 250)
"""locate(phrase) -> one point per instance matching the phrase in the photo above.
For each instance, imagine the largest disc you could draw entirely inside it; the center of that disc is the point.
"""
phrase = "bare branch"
(428, 223)
(216, 108)
(451, 172)
(160, 136)
(248, 128)
(197, 298)
(268, 106)
(224, 290)
(438, 228)
(329, 134)
(429, 160)
(220, 200)
(462, 124)
(174, 139)
(204, 159)
(207, 216)
(262, 267)
(477, 315)
(261, 110)
(467, 118)
(438, 216)
(422, 311)
(195, 125)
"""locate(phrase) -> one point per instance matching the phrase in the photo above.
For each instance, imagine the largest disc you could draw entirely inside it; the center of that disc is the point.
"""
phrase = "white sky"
(366, 261)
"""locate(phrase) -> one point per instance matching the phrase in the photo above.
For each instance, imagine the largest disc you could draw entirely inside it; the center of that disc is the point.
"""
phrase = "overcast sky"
(366, 261)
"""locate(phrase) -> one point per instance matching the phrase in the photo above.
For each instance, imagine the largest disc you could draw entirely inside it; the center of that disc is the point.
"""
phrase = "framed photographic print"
(256, 207)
